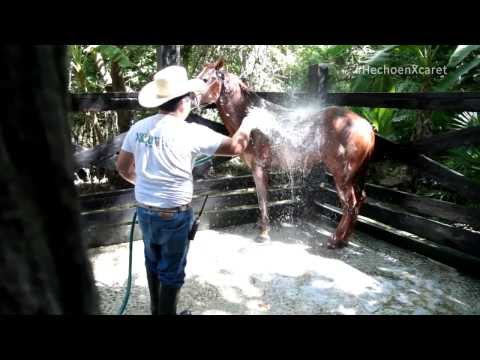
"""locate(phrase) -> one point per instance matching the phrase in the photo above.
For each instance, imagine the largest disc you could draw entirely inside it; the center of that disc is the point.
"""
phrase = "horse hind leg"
(360, 197)
(353, 211)
(260, 177)
(352, 196)
(349, 202)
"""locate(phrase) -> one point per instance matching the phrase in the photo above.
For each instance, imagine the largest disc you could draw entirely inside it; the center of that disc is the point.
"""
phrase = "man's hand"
(126, 166)
(257, 118)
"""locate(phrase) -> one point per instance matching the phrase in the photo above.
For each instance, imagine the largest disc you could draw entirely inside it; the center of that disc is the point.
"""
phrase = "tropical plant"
(104, 68)
(466, 160)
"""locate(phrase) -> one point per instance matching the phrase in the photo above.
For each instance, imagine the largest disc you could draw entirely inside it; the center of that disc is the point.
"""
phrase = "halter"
(220, 74)
(221, 77)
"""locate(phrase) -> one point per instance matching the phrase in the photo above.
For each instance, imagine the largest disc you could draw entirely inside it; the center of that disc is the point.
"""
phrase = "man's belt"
(166, 210)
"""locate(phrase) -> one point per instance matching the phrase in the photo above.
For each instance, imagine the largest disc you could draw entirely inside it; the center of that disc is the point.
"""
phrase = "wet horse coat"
(340, 139)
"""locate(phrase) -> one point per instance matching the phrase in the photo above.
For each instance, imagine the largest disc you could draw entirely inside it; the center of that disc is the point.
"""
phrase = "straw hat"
(167, 84)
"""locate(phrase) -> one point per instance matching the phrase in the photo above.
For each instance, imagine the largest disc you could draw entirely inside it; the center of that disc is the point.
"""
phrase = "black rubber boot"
(154, 290)
(168, 299)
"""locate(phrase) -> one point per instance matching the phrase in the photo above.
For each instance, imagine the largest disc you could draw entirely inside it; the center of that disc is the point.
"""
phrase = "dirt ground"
(229, 273)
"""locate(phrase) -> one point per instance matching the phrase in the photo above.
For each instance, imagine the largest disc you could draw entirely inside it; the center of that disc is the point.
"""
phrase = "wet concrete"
(229, 273)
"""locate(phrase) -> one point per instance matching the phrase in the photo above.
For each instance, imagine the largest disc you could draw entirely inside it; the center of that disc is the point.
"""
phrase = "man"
(157, 156)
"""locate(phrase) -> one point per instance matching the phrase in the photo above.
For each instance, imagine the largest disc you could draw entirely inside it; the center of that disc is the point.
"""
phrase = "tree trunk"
(423, 130)
(44, 266)
(168, 55)
(317, 84)
(118, 85)
(185, 56)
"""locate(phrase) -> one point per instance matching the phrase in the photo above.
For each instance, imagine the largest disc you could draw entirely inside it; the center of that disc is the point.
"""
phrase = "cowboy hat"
(167, 84)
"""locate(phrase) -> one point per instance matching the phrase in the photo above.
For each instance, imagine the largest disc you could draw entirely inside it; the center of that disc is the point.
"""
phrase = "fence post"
(317, 89)
(317, 85)
(167, 55)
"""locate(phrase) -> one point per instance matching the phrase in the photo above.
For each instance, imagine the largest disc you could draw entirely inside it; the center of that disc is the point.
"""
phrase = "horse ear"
(219, 64)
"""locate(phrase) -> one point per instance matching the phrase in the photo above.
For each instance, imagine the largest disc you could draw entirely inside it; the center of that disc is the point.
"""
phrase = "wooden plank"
(229, 200)
(386, 149)
(424, 206)
(278, 211)
(435, 231)
(459, 101)
(414, 203)
(457, 259)
(108, 199)
(103, 235)
(285, 99)
(107, 217)
(215, 126)
(102, 152)
(86, 158)
(450, 179)
(96, 102)
(121, 215)
(223, 184)
(441, 143)
(104, 102)
(235, 183)
(124, 197)
(109, 235)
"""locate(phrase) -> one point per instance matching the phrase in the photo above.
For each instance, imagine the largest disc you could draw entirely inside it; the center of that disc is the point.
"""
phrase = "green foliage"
(112, 53)
(285, 68)
(465, 160)
(455, 77)
(381, 119)
(393, 124)
(339, 59)
(460, 53)
(263, 67)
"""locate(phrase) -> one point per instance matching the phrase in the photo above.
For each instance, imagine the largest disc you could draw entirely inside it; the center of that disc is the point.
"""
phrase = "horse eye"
(205, 80)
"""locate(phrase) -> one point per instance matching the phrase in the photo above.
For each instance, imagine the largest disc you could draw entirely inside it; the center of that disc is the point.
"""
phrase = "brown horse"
(339, 138)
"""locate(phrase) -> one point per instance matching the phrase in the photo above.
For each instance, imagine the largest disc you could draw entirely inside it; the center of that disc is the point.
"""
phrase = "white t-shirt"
(164, 149)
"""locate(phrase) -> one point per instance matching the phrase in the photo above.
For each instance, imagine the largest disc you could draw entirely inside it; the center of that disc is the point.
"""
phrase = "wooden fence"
(441, 230)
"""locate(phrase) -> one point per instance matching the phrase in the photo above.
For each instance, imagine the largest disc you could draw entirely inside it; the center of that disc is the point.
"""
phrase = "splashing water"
(292, 135)
(289, 129)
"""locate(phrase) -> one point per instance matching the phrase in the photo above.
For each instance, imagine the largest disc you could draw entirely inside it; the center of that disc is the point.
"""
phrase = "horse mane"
(255, 99)
(232, 80)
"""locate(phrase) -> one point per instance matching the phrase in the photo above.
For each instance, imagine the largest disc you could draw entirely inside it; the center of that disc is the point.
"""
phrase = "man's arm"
(236, 144)
(126, 166)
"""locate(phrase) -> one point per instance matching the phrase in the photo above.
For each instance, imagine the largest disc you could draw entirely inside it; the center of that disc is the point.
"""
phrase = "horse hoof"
(331, 245)
(185, 312)
(262, 238)
(336, 244)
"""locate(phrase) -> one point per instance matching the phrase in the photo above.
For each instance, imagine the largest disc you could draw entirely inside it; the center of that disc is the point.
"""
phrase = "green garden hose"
(123, 307)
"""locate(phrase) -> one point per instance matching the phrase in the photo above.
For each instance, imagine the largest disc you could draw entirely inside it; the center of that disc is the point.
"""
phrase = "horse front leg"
(260, 176)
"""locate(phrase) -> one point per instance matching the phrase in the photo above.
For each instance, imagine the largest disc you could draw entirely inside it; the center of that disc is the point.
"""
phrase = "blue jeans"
(166, 244)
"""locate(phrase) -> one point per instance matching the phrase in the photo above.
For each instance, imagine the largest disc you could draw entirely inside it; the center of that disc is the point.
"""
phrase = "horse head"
(212, 75)
(219, 81)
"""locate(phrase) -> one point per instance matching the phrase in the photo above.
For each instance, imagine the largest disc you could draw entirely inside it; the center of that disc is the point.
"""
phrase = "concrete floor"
(229, 273)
